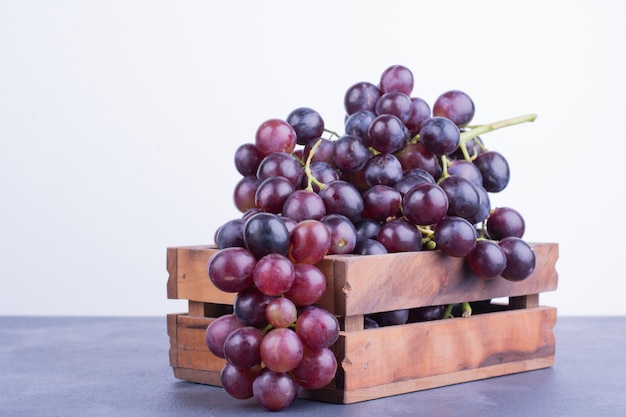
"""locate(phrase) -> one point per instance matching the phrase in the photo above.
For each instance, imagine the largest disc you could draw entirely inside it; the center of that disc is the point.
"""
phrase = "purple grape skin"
(495, 171)
(304, 205)
(307, 123)
(381, 202)
(361, 96)
(358, 123)
(350, 154)
(400, 236)
(370, 247)
(247, 159)
(383, 169)
(440, 135)
(421, 112)
(396, 104)
(456, 106)
(388, 134)
(342, 233)
(274, 390)
(425, 204)
(463, 197)
(487, 260)
(520, 258)
(230, 234)
(397, 78)
(266, 233)
(505, 222)
(455, 236)
(281, 164)
(341, 197)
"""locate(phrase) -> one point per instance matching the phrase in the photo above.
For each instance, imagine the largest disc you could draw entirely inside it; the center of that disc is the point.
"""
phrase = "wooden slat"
(390, 354)
(192, 350)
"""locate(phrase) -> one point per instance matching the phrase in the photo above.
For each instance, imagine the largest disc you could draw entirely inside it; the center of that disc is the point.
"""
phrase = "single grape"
(520, 258)
(247, 159)
(484, 207)
(397, 78)
(504, 222)
(217, 332)
(487, 260)
(495, 171)
(323, 152)
(271, 194)
(308, 287)
(230, 234)
(317, 368)
(391, 318)
(400, 236)
(396, 104)
(456, 106)
(275, 135)
(361, 96)
(242, 347)
(281, 164)
(304, 205)
(350, 153)
(367, 229)
(266, 233)
(231, 269)
(415, 155)
(309, 242)
(342, 233)
(407, 182)
(425, 204)
(455, 236)
(307, 123)
(463, 197)
(317, 328)
(273, 274)
(440, 135)
(467, 170)
(237, 382)
(322, 172)
(428, 313)
(244, 193)
(381, 202)
(249, 307)
(341, 197)
(421, 112)
(383, 169)
(274, 390)
(370, 247)
(388, 134)
(358, 123)
(281, 350)
(281, 312)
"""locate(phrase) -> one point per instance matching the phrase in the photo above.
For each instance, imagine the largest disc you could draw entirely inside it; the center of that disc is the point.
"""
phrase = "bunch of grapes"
(401, 177)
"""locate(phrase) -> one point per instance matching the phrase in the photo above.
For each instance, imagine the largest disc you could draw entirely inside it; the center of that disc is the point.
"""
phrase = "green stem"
(447, 313)
(466, 308)
(480, 129)
(307, 169)
(331, 133)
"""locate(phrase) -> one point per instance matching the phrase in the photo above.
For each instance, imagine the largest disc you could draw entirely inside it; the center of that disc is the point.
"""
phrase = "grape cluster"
(401, 177)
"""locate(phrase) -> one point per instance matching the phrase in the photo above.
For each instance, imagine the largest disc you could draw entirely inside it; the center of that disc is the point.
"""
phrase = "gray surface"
(119, 367)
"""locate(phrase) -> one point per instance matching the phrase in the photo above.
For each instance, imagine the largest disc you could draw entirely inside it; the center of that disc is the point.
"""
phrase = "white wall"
(118, 122)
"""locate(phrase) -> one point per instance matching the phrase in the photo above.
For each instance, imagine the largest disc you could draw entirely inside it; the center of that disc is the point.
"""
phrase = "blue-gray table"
(92, 366)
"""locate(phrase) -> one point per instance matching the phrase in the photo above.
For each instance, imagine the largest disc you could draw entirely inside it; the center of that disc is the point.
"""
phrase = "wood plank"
(369, 284)
(172, 332)
(192, 350)
(390, 354)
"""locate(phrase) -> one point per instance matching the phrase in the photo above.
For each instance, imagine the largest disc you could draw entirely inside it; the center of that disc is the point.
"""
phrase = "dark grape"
(397, 78)
(275, 135)
(341, 197)
(520, 258)
(317, 368)
(387, 134)
(455, 236)
(266, 233)
(467, 170)
(456, 106)
(463, 197)
(322, 172)
(342, 233)
(425, 204)
(317, 328)
(274, 390)
(370, 247)
(309, 242)
(307, 123)
(249, 307)
(367, 229)
(487, 259)
(304, 205)
(504, 222)
(400, 236)
(217, 332)
(231, 269)
(247, 159)
(484, 207)
(396, 104)
(361, 96)
(415, 155)
(281, 350)
(244, 193)
(308, 287)
(281, 164)
(391, 318)
(421, 112)
(323, 152)
(381, 202)
(350, 153)
(273, 274)
(428, 313)
(271, 194)
(358, 123)
(440, 135)
(495, 171)
(383, 169)
(237, 382)
(242, 347)
(230, 234)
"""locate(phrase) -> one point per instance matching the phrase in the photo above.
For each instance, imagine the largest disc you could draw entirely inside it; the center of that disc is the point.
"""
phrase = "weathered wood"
(524, 301)
(192, 351)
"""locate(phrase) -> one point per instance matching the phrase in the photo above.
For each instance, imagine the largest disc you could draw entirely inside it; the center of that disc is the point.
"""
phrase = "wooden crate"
(373, 363)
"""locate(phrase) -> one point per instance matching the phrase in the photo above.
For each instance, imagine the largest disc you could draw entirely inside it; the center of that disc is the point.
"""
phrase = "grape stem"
(466, 309)
(331, 133)
(307, 169)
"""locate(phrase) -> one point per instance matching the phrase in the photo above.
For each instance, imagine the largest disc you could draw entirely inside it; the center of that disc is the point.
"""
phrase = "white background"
(119, 119)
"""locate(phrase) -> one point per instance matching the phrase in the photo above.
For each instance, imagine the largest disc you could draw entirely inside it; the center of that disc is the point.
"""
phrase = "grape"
(495, 171)
(455, 236)
(421, 112)
(396, 104)
(484, 207)
(391, 318)
(247, 159)
(463, 197)
(280, 164)
(361, 96)
(230, 269)
(308, 286)
(400, 236)
(266, 233)
(381, 202)
(428, 313)
(383, 169)
(367, 229)
(397, 78)
(238, 381)
(370, 247)
(275, 135)
(217, 332)
(242, 347)
(504, 222)
(230, 234)
(467, 170)
(387, 134)
(323, 172)
(358, 123)
(250, 305)
(317, 328)
(273, 274)
(323, 152)
(456, 106)
(244, 193)
(307, 123)
(274, 390)
(520, 258)
(317, 368)
(409, 180)
(440, 135)
(281, 350)
(303, 205)
(281, 312)
(350, 153)
(271, 194)
(487, 259)
(309, 242)
(415, 155)
(342, 233)
(369, 323)
(341, 197)
(425, 204)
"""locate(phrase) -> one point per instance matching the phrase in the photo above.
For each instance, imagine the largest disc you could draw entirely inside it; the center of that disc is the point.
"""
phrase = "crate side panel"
(420, 350)
(191, 345)
(374, 283)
